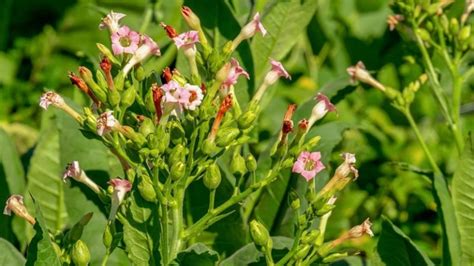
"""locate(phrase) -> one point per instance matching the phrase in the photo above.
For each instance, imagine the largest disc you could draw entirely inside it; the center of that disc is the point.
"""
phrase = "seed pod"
(424, 34)
(226, 135)
(454, 26)
(107, 237)
(208, 147)
(178, 170)
(259, 233)
(251, 163)
(302, 252)
(140, 73)
(296, 204)
(237, 165)
(101, 79)
(147, 127)
(128, 97)
(212, 177)
(80, 254)
(177, 154)
(334, 257)
(113, 98)
(311, 237)
(465, 33)
(246, 120)
(119, 81)
(146, 189)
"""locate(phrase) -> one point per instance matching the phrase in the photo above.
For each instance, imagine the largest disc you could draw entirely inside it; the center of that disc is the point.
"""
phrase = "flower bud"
(237, 165)
(146, 189)
(105, 51)
(86, 75)
(177, 171)
(80, 254)
(101, 79)
(424, 34)
(191, 19)
(209, 147)
(296, 204)
(164, 140)
(147, 127)
(128, 97)
(212, 177)
(251, 163)
(246, 120)
(226, 135)
(177, 154)
(311, 237)
(302, 252)
(119, 82)
(107, 237)
(325, 209)
(454, 26)
(113, 98)
(140, 73)
(465, 33)
(259, 233)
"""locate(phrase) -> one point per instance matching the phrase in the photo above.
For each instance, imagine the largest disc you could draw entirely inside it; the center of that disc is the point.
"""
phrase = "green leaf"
(197, 255)
(41, 251)
(396, 249)
(141, 231)
(10, 255)
(12, 179)
(285, 21)
(463, 185)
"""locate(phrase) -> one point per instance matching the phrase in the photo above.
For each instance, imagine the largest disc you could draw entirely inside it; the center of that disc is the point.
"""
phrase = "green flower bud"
(178, 170)
(80, 253)
(147, 127)
(128, 97)
(334, 257)
(288, 162)
(209, 147)
(227, 49)
(424, 34)
(302, 252)
(259, 233)
(113, 98)
(296, 204)
(153, 141)
(246, 120)
(86, 75)
(226, 135)
(445, 23)
(146, 189)
(105, 51)
(144, 152)
(465, 33)
(101, 79)
(131, 174)
(311, 237)
(212, 177)
(454, 26)
(302, 220)
(251, 163)
(237, 165)
(177, 154)
(140, 73)
(325, 209)
(107, 237)
(119, 81)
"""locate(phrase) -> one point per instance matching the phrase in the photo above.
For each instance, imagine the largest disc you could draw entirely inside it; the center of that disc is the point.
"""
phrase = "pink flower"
(125, 40)
(121, 187)
(105, 123)
(278, 68)
(308, 164)
(195, 96)
(111, 21)
(15, 204)
(235, 71)
(360, 73)
(186, 40)
(147, 48)
(73, 170)
(51, 98)
(322, 107)
(175, 99)
(253, 27)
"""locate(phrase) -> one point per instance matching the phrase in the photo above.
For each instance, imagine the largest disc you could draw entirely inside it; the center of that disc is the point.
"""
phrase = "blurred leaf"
(285, 21)
(41, 251)
(10, 255)
(12, 178)
(197, 255)
(463, 185)
(396, 249)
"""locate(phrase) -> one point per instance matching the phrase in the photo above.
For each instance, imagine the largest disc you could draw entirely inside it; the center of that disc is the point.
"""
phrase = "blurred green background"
(40, 41)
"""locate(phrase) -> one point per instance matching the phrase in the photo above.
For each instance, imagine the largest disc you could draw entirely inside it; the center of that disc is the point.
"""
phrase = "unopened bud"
(302, 252)
(119, 81)
(454, 26)
(465, 33)
(107, 237)
(76, 231)
(177, 154)
(226, 135)
(251, 163)
(146, 189)
(334, 257)
(209, 147)
(191, 19)
(259, 233)
(424, 34)
(178, 170)
(296, 204)
(147, 127)
(128, 97)
(237, 165)
(105, 51)
(212, 177)
(80, 254)
(113, 98)
(246, 120)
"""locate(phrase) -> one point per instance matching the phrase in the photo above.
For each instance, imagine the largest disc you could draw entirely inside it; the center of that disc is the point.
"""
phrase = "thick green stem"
(268, 257)
(105, 259)
(212, 197)
(164, 235)
(292, 251)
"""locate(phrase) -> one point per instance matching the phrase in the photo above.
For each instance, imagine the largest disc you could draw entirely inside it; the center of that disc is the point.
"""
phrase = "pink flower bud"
(106, 122)
(170, 31)
(393, 21)
(322, 107)
(254, 26)
(111, 21)
(191, 19)
(308, 164)
(276, 72)
(15, 204)
(51, 98)
(74, 170)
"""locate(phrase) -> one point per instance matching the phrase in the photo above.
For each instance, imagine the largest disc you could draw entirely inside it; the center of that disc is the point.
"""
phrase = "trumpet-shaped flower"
(74, 170)
(186, 40)
(105, 123)
(253, 27)
(195, 96)
(308, 164)
(51, 98)
(322, 107)
(125, 41)
(360, 73)
(111, 21)
(120, 188)
(15, 204)
(234, 73)
(146, 48)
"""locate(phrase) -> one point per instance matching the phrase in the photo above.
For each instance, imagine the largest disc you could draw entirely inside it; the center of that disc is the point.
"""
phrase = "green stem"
(293, 249)
(105, 259)
(268, 257)
(212, 197)
(164, 236)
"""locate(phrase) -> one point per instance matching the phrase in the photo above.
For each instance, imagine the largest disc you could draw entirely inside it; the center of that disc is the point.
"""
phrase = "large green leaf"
(10, 255)
(396, 249)
(41, 251)
(197, 255)
(12, 178)
(463, 186)
(285, 21)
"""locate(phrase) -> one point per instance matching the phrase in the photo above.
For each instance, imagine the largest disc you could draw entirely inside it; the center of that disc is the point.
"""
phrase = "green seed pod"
(101, 79)
(128, 97)
(208, 147)
(465, 33)
(177, 154)
(325, 209)
(296, 204)
(107, 237)
(146, 189)
(178, 170)
(113, 98)
(119, 81)
(429, 26)
(139, 73)
(251, 163)
(302, 252)
(246, 120)
(311, 237)
(334, 257)
(454, 26)
(147, 127)
(153, 141)
(80, 253)
(259, 233)
(237, 165)
(424, 34)
(212, 177)
(226, 135)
